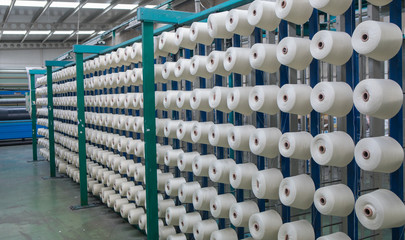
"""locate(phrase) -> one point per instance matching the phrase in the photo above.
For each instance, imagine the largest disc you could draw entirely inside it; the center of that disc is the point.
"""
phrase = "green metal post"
(150, 130)
(81, 129)
(33, 118)
(50, 122)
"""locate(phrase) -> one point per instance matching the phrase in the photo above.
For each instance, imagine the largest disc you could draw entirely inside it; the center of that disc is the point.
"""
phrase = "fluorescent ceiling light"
(5, 2)
(150, 6)
(21, 3)
(63, 32)
(101, 32)
(12, 32)
(64, 4)
(45, 32)
(125, 6)
(96, 5)
(85, 32)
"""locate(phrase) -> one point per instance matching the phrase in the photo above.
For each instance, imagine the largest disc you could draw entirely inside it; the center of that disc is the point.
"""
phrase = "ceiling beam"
(70, 36)
(57, 26)
(47, 37)
(104, 11)
(41, 12)
(6, 16)
(35, 18)
(25, 36)
(8, 11)
(17, 45)
(71, 12)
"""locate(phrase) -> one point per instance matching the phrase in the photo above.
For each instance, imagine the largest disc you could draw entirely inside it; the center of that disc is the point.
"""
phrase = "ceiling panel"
(22, 18)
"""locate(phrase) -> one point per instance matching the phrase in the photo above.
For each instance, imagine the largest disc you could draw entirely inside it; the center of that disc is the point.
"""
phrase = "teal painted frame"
(49, 65)
(150, 15)
(33, 97)
(148, 88)
(79, 50)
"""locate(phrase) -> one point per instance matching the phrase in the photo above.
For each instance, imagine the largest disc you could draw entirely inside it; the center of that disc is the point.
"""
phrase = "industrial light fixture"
(96, 5)
(14, 32)
(101, 32)
(63, 32)
(22, 3)
(150, 6)
(45, 32)
(125, 6)
(85, 32)
(64, 4)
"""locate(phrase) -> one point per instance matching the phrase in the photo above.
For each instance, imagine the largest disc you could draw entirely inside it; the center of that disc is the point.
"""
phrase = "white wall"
(17, 59)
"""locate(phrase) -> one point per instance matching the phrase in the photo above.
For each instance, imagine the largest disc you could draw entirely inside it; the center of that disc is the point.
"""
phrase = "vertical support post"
(376, 70)
(396, 123)
(341, 77)
(33, 118)
(259, 79)
(189, 117)
(219, 118)
(315, 121)
(50, 122)
(353, 123)
(238, 117)
(285, 119)
(81, 129)
(150, 130)
(203, 118)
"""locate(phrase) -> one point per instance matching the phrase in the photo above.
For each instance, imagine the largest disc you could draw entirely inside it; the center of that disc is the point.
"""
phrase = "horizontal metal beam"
(37, 45)
(56, 26)
(161, 16)
(37, 71)
(88, 49)
(51, 63)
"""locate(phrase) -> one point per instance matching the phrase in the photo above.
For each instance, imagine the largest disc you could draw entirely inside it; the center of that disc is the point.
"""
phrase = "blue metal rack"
(396, 123)
(175, 19)
(353, 123)
(315, 122)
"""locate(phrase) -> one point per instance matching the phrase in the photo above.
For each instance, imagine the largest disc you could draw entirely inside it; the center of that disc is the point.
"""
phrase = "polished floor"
(35, 208)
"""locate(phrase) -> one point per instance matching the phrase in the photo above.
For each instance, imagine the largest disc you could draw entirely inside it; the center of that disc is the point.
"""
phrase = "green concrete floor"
(34, 208)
